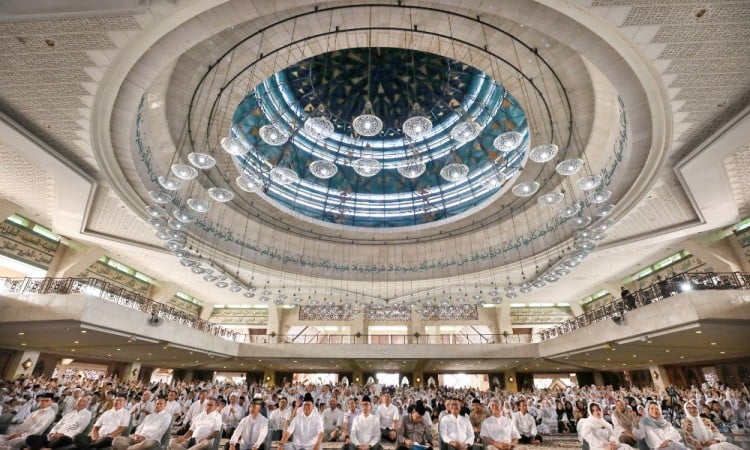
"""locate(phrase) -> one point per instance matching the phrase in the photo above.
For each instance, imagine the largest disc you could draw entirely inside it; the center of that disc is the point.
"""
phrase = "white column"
(21, 364)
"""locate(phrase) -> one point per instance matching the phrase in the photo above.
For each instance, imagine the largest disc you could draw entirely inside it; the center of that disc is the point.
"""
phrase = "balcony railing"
(687, 281)
(394, 339)
(115, 294)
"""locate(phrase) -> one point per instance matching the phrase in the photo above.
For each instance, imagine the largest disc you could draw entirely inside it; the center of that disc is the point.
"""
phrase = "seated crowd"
(84, 414)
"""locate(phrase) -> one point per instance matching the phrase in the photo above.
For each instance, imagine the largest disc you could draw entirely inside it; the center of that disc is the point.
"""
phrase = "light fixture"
(249, 183)
(27, 364)
(526, 189)
(412, 168)
(323, 169)
(599, 196)
(570, 210)
(418, 124)
(465, 131)
(604, 210)
(233, 146)
(159, 197)
(184, 172)
(202, 161)
(169, 183)
(550, 199)
(508, 141)
(273, 135)
(220, 195)
(569, 167)
(588, 183)
(367, 123)
(318, 126)
(198, 205)
(543, 153)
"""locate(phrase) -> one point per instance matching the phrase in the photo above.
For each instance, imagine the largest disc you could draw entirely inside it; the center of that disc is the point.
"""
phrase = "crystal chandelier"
(465, 131)
(526, 189)
(543, 153)
(273, 135)
(367, 123)
(318, 126)
(233, 146)
(184, 172)
(366, 167)
(323, 169)
(417, 125)
(202, 161)
(589, 183)
(412, 168)
(569, 167)
(507, 141)
(249, 183)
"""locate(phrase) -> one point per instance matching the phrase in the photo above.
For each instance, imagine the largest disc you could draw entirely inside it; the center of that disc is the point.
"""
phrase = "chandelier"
(368, 155)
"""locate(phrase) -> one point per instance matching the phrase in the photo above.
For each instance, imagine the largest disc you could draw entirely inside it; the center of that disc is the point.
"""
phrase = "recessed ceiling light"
(23, 344)
(682, 357)
(649, 342)
(21, 333)
(73, 350)
(117, 349)
(698, 332)
(76, 342)
(722, 352)
(635, 356)
(84, 331)
(713, 343)
(666, 350)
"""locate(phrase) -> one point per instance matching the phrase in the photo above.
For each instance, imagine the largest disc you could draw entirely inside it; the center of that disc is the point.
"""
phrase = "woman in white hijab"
(701, 433)
(660, 434)
(597, 432)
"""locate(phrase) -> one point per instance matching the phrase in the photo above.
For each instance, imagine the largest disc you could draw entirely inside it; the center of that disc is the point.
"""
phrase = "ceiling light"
(543, 153)
(526, 189)
(507, 141)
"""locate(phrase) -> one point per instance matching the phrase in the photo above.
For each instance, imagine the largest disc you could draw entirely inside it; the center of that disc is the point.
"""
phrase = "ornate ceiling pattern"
(698, 48)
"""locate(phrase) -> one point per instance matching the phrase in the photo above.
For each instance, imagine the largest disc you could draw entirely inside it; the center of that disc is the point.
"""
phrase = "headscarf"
(597, 422)
(625, 419)
(658, 422)
(700, 431)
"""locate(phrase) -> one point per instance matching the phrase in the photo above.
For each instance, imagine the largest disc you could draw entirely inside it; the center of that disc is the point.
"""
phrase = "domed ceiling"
(335, 87)
(501, 156)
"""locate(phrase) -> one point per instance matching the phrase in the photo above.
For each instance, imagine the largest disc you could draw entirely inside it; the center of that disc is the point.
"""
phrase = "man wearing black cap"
(306, 427)
(412, 431)
(364, 433)
(252, 431)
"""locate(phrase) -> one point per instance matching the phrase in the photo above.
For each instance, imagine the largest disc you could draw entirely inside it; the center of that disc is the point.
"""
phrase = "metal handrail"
(683, 282)
(115, 294)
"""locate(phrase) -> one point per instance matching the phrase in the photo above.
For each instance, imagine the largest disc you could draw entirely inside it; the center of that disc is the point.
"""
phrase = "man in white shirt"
(109, 425)
(307, 428)
(71, 425)
(173, 406)
(498, 432)
(279, 419)
(351, 412)
(388, 414)
(196, 407)
(364, 433)
(252, 430)
(149, 433)
(143, 408)
(333, 419)
(204, 427)
(526, 425)
(36, 423)
(231, 415)
(456, 430)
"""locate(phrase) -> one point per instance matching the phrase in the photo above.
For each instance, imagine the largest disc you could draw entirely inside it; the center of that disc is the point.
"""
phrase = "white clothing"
(279, 418)
(655, 437)
(365, 430)
(498, 429)
(456, 428)
(525, 423)
(598, 433)
(73, 423)
(111, 420)
(251, 432)
(305, 429)
(332, 418)
(154, 425)
(231, 416)
(204, 424)
(388, 415)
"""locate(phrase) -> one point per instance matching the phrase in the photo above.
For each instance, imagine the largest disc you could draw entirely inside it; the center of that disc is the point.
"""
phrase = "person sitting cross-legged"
(365, 434)
(36, 423)
(526, 425)
(498, 432)
(456, 430)
(306, 428)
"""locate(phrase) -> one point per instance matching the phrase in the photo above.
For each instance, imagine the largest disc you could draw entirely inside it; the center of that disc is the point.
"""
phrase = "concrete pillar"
(418, 380)
(357, 377)
(7, 209)
(739, 253)
(269, 377)
(511, 382)
(715, 250)
(598, 378)
(206, 311)
(415, 326)
(358, 326)
(132, 371)
(576, 308)
(164, 292)
(72, 259)
(660, 378)
(21, 364)
(274, 320)
(504, 323)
